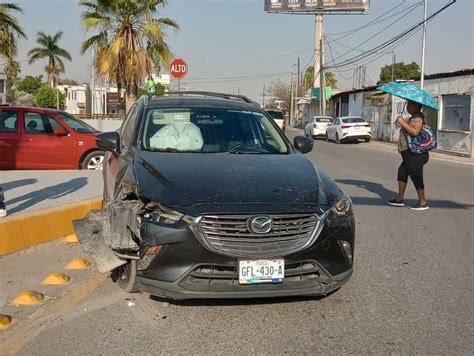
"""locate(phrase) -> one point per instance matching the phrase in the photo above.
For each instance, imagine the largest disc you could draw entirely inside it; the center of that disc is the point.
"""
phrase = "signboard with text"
(289, 6)
(178, 68)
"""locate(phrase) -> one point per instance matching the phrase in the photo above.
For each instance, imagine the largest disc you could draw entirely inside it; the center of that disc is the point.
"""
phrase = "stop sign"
(178, 68)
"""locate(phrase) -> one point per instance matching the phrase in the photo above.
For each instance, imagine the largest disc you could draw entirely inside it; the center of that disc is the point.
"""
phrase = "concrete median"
(29, 229)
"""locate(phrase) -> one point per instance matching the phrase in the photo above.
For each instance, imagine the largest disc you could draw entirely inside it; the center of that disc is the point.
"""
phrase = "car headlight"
(342, 208)
(161, 214)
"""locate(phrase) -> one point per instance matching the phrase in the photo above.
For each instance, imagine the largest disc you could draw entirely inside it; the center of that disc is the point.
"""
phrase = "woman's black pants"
(412, 166)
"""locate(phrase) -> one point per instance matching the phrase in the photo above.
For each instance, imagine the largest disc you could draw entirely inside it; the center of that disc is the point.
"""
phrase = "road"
(411, 292)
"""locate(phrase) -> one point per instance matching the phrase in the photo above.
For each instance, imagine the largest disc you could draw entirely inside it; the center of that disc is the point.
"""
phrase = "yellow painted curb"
(56, 279)
(5, 321)
(71, 239)
(28, 297)
(78, 263)
(29, 229)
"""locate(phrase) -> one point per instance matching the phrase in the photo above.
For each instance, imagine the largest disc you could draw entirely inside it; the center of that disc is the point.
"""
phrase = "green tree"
(88, 99)
(30, 84)
(331, 80)
(49, 49)
(129, 40)
(10, 32)
(46, 97)
(67, 82)
(281, 91)
(402, 71)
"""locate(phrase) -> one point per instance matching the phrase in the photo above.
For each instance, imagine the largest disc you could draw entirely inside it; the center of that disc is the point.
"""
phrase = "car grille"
(230, 235)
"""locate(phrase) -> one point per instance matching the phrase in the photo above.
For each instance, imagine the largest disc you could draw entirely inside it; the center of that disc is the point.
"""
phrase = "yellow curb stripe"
(29, 229)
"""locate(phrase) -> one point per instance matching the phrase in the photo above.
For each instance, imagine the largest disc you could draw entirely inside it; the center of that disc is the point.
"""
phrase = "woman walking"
(413, 163)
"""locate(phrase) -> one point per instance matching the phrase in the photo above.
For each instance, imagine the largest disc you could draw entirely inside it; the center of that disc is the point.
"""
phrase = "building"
(3, 89)
(453, 123)
(104, 100)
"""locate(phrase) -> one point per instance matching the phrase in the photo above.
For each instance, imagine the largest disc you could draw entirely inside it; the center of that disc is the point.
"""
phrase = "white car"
(317, 126)
(278, 117)
(348, 128)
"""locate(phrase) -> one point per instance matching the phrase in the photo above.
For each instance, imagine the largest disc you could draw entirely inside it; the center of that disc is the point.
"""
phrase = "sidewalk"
(28, 191)
(41, 205)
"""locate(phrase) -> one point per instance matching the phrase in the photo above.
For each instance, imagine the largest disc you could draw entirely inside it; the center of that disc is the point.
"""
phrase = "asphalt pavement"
(411, 292)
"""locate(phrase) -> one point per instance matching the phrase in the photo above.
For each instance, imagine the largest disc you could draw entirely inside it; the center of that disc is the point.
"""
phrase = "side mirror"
(61, 132)
(303, 144)
(108, 141)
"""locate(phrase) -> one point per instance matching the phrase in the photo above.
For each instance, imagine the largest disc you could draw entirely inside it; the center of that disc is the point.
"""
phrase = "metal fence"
(120, 116)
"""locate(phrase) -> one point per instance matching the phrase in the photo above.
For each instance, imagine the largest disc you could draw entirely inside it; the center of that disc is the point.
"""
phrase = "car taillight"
(345, 126)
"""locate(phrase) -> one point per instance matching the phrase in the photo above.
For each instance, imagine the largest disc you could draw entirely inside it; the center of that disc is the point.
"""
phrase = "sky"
(234, 46)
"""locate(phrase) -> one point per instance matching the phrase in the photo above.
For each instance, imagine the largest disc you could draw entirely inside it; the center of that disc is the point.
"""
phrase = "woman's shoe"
(419, 207)
(395, 202)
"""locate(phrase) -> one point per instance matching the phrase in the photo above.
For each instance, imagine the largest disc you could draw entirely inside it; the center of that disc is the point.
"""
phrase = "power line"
(373, 22)
(385, 28)
(390, 42)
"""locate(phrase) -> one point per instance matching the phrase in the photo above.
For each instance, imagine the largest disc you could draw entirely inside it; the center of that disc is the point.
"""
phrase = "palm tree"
(50, 49)
(10, 31)
(129, 42)
(331, 80)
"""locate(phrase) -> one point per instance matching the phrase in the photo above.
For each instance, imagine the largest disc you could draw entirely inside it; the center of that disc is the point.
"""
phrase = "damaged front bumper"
(181, 267)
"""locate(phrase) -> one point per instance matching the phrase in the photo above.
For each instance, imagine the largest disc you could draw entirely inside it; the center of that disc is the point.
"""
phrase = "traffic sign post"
(178, 69)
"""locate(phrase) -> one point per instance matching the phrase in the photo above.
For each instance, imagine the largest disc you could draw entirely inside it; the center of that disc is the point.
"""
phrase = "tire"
(367, 139)
(327, 138)
(127, 277)
(337, 139)
(93, 161)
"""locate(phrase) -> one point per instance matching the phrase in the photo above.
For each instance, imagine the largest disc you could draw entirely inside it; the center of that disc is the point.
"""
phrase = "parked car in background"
(317, 126)
(348, 128)
(278, 117)
(37, 138)
(206, 198)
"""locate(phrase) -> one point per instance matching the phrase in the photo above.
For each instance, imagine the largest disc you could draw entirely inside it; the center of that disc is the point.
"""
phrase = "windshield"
(276, 114)
(323, 119)
(353, 120)
(204, 130)
(75, 124)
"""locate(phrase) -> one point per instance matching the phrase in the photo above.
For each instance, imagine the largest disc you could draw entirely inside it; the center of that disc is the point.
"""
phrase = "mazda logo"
(260, 224)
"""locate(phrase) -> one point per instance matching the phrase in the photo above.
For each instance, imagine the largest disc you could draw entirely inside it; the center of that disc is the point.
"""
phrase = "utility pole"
(299, 82)
(393, 66)
(422, 82)
(93, 86)
(263, 97)
(317, 43)
(291, 101)
(322, 95)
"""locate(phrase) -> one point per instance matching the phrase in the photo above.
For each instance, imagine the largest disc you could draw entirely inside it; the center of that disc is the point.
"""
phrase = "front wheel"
(367, 139)
(93, 161)
(337, 139)
(127, 277)
(327, 137)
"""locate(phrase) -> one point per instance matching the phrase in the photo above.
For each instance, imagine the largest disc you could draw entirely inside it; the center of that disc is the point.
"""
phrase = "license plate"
(261, 271)
(357, 128)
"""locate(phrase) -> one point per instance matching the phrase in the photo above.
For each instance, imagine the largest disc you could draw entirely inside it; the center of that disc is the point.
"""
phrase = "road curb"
(29, 229)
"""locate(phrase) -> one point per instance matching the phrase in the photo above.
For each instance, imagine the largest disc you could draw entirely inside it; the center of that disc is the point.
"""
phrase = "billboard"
(289, 6)
(114, 102)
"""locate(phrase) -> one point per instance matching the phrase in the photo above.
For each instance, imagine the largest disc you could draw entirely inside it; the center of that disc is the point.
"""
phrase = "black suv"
(205, 197)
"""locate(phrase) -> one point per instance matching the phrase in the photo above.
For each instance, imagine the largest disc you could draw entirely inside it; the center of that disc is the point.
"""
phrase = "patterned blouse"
(402, 140)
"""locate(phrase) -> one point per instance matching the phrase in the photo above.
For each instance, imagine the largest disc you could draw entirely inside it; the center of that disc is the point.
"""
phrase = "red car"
(37, 138)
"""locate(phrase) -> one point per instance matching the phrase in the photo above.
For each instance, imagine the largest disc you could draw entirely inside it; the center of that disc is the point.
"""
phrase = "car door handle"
(29, 139)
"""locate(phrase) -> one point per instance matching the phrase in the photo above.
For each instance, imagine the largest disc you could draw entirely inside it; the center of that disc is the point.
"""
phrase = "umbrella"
(410, 92)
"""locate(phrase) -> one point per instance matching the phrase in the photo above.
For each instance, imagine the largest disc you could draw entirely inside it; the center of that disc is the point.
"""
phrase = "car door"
(9, 138)
(115, 166)
(45, 143)
(331, 130)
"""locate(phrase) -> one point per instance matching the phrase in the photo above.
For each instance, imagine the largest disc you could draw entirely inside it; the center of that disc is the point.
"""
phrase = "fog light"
(154, 250)
(346, 247)
(150, 254)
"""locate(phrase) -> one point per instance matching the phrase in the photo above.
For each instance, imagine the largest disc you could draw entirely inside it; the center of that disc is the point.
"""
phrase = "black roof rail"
(202, 93)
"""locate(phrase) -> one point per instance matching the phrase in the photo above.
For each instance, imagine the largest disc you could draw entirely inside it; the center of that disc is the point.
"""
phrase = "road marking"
(26, 331)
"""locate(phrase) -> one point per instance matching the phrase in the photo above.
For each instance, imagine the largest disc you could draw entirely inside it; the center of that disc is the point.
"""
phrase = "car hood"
(203, 183)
